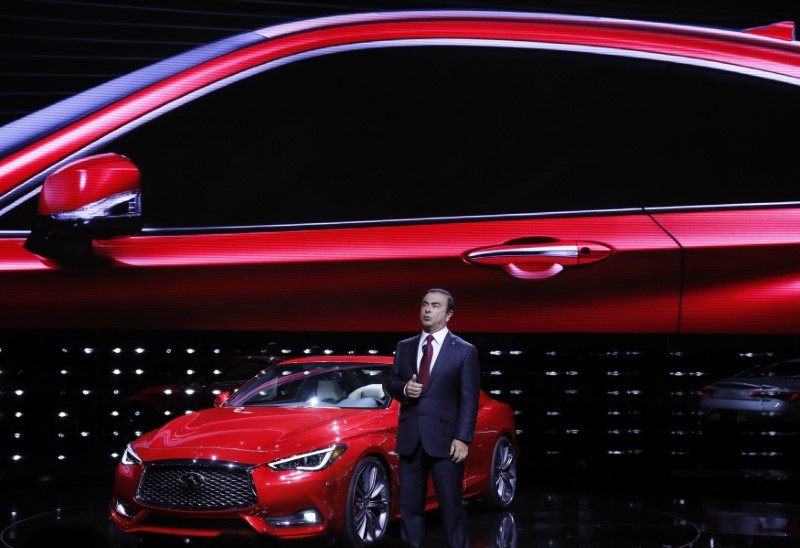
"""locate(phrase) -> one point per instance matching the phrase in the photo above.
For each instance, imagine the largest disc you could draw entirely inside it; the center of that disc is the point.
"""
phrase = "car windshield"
(239, 371)
(314, 384)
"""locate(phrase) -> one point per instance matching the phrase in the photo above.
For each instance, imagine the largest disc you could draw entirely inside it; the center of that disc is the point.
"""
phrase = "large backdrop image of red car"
(189, 197)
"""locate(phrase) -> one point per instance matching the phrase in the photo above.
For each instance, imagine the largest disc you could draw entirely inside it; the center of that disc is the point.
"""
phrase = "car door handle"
(539, 261)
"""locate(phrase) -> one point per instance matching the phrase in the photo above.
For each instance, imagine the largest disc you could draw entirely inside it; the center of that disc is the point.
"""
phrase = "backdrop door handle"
(539, 261)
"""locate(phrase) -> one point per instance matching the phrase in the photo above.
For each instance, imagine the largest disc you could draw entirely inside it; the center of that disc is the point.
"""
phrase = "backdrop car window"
(366, 135)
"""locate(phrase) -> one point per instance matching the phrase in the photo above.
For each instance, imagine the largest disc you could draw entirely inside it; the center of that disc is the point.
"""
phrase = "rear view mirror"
(97, 197)
(221, 398)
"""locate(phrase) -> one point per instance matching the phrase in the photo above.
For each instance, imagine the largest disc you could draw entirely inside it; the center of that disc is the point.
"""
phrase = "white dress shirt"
(437, 342)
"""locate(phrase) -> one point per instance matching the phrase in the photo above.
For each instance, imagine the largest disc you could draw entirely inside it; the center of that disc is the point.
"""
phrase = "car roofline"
(755, 34)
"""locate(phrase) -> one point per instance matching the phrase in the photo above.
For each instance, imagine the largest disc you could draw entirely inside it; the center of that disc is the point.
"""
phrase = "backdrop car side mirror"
(97, 197)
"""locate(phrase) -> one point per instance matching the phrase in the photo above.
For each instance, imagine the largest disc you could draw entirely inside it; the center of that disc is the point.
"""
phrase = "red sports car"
(305, 448)
(557, 173)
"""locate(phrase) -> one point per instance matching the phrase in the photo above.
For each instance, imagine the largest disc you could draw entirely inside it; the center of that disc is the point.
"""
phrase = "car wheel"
(503, 475)
(369, 502)
(506, 533)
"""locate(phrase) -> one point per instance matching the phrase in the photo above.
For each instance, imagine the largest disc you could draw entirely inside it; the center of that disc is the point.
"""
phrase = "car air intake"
(198, 524)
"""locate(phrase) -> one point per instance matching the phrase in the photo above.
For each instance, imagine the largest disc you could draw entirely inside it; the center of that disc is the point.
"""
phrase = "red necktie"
(425, 362)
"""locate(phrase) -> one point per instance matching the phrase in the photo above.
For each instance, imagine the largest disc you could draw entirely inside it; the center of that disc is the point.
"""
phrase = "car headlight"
(318, 459)
(130, 456)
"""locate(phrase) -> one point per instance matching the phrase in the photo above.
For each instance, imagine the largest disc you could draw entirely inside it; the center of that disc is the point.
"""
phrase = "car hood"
(252, 434)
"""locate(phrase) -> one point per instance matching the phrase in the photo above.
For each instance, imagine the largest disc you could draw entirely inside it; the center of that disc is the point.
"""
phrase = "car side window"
(415, 132)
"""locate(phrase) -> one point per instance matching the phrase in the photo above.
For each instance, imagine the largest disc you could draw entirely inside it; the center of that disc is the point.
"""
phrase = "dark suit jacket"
(448, 406)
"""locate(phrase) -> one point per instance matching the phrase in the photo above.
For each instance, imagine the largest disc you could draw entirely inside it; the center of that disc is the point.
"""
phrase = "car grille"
(206, 485)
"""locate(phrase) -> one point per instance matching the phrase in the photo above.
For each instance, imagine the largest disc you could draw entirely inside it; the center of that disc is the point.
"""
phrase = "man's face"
(433, 313)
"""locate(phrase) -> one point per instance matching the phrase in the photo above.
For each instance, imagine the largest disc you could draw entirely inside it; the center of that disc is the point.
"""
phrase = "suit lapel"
(413, 354)
(444, 355)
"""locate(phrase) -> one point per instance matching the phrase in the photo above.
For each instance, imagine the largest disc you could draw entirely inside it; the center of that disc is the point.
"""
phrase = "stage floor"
(708, 509)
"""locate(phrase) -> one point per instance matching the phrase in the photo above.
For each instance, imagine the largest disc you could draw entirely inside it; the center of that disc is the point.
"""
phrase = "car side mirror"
(221, 398)
(97, 197)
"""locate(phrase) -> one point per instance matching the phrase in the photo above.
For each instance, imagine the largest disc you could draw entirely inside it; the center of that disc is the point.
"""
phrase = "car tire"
(505, 532)
(369, 504)
(502, 476)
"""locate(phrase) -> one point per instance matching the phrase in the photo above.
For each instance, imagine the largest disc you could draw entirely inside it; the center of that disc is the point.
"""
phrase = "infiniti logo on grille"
(191, 481)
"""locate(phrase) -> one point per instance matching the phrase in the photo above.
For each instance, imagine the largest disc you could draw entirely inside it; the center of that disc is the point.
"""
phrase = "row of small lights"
(87, 392)
(139, 350)
(138, 371)
(614, 353)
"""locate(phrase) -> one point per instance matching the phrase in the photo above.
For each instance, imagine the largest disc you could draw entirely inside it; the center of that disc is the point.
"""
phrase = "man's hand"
(458, 451)
(413, 388)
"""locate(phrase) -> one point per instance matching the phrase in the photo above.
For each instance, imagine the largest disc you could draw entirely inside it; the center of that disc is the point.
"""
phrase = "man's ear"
(449, 315)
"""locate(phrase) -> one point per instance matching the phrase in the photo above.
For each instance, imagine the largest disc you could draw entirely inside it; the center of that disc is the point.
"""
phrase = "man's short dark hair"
(451, 303)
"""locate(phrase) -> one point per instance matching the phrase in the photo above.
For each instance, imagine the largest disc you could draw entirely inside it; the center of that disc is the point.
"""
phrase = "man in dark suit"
(436, 378)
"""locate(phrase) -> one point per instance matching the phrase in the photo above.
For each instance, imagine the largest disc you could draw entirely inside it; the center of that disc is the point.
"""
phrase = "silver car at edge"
(767, 395)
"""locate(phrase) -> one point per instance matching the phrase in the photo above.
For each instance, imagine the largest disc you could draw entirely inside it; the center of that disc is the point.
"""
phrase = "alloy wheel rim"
(371, 503)
(505, 469)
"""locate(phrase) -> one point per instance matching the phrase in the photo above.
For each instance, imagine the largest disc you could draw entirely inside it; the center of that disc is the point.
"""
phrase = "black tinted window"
(443, 131)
